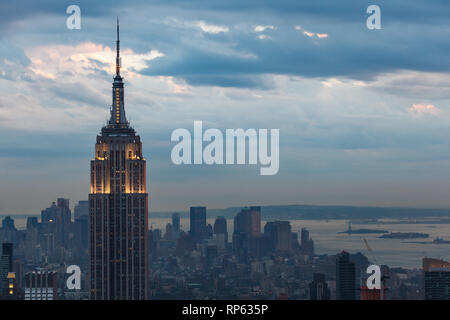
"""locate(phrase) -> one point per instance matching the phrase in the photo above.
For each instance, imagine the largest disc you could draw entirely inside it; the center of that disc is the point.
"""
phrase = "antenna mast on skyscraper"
(118, 62)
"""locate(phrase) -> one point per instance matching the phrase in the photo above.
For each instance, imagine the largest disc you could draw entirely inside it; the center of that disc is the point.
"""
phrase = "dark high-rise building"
(248, 221)
(318, 288)
(57, 221)
(8, 224)
(168, 235)
(198, 223)
(307, 246)
(6, 267)
(220, 225)
(118, 207)
(80, 228)
(278, 236)
(220, 228)
(63, 221)
(7, 252)
(49, 214)
(176, 222)
(247, 233)
(436, 279)
(81, 209)
(31, 239)
(345, 277)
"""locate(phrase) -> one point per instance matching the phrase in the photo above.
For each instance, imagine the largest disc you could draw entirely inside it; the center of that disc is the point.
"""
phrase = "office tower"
(49, 214)
(41, 285)
(63, 222)
(198, 223)
(118, 207)
(278, 236)
(81, 209)
(9, 232)
(6, 266)
(80, 232)
(8, 224)
(57, 222)
(220, 229)
(345, 277)
(248, 221)
(436, 279)
(31, 239)
(168, 235)
(7, 253)
(176, 222)
(318, 288)
(307, 246)
(247, 233)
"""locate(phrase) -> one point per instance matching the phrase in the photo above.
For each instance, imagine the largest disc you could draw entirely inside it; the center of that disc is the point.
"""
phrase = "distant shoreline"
(365, 214)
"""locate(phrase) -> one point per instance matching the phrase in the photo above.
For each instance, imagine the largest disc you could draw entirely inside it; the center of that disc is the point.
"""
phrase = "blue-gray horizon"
(363, 114)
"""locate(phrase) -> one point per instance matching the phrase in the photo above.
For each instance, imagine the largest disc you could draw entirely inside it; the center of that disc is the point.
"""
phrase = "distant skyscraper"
(57, 221)
(307, 246)
(6, 267)
(248, 221)
(176, 222)
(247, 233)
(436, 279)
(118, 207)
(81, 232)
(168, 235)
(7, 252)
(220, 228)
(318, 288)
(31, 239)
(278, 235)
(345, 277)
(63, 221)
(81, 209)
(198, 223)
(8, 223)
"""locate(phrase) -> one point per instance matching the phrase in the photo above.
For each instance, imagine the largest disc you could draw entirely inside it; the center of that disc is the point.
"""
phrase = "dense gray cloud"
(414, 37)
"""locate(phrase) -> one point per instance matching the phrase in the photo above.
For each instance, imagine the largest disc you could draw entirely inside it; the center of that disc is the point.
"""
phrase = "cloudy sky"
(363, 114)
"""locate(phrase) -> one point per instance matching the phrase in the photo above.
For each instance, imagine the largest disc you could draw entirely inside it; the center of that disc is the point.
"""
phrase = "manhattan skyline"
(363, 114)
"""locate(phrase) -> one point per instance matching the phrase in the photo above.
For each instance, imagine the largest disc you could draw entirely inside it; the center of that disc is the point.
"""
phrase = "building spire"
(118, 118)
(118, 62)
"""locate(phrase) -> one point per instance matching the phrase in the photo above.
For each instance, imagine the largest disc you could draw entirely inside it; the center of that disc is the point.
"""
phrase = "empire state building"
(118, 207)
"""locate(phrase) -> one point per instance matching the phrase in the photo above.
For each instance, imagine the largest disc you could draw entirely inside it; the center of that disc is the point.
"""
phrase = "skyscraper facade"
(318, 288)
(118, 207)
(6, 265)
(436, 274)
(81, 209)
(176, 222)
(345, 277)
(198, 223)
(307, 246)
(220, 230)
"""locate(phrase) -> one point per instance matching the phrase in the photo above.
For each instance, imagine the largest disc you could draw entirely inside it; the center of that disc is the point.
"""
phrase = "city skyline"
(359, 124)
(234, 152)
